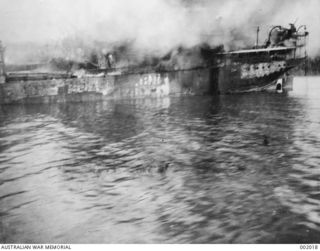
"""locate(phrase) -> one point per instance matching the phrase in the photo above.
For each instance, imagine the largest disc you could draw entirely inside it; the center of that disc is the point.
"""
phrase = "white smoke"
(152, 26)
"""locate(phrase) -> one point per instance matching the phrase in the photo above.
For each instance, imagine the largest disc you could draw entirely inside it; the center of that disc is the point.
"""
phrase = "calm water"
(228, 169)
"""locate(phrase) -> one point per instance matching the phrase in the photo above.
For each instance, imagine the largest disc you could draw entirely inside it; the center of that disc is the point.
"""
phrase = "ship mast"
(257, 39)
(2, 66)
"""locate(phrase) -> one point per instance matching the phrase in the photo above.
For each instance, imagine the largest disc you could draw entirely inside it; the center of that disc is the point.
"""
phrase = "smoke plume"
(75, 28)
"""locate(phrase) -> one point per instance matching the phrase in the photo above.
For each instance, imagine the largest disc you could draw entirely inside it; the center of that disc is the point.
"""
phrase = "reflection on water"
(227, 169)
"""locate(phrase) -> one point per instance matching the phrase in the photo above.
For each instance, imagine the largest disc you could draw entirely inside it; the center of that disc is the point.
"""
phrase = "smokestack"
(2, 66)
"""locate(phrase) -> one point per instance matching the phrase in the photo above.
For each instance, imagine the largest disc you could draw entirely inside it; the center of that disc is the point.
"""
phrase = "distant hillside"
(311, 68)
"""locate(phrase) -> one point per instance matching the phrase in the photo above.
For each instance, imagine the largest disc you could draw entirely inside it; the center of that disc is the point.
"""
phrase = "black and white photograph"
(159, 122)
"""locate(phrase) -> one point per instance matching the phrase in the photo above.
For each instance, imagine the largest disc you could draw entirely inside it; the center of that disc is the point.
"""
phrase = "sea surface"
(223, 169)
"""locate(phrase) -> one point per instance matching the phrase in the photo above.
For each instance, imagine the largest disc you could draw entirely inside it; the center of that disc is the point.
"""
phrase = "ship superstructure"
(259, 68)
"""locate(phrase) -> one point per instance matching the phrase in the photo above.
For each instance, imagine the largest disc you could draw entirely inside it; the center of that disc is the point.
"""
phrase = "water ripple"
(228, 169)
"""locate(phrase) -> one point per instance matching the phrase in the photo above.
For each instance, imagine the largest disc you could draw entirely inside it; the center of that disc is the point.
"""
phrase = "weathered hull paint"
(131, 86)
(233, 78)
(239, 78)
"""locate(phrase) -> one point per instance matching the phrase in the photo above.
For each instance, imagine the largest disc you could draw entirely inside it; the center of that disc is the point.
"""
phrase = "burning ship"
(263, 67)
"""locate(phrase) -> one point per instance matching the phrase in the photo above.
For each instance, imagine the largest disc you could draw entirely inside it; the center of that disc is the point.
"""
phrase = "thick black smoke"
(75, 29)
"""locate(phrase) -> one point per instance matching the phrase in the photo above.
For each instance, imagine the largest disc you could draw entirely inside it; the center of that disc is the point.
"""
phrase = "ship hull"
(234, 78)
(93, 88)
(261, 76)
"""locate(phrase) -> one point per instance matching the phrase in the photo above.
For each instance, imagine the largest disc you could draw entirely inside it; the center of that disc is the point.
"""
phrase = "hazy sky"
(153, 24)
